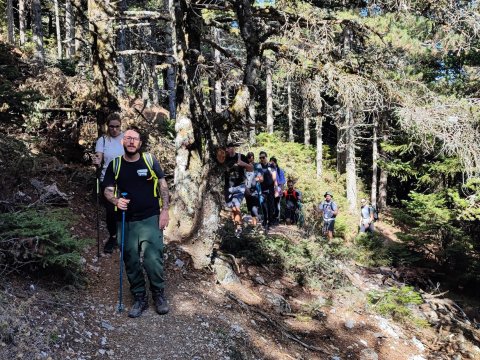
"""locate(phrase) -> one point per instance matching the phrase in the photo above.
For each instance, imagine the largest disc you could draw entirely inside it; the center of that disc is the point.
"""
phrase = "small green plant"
(396, 303)
(41, 238)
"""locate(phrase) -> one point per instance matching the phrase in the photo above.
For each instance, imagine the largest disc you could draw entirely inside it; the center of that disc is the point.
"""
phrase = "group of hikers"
(136, 198)
(262, 184)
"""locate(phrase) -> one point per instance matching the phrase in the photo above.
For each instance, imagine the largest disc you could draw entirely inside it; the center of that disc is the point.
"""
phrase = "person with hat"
(235, 186)
(366, 217)
(329, 211)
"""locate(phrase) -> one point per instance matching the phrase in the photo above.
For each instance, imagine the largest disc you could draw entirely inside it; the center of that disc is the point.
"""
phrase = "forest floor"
(264, 315)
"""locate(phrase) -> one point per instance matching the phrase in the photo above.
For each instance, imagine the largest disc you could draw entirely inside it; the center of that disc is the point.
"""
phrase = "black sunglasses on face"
(113, 126)
(262, 157)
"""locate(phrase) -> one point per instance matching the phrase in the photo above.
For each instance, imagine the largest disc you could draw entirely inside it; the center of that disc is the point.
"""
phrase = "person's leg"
(331, 227)
(131, 258)
(362, 228)
(111, 220)
(371, 227)
(276, 209)
(151, 240)
(271, 208)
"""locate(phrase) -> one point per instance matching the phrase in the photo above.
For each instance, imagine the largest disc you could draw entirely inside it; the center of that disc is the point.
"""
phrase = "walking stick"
(98, 211)
(120, 306)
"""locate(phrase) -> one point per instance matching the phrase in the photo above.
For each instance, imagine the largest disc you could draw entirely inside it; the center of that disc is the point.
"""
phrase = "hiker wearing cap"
(292, 197)
(267, 177)
(107, 148)
(329, 210)
(366, 217)
(135, 184)
(235, 178)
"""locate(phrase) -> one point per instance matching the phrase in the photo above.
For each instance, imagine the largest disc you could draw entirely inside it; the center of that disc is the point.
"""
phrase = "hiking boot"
(139, 306)
(110, 245)
(161, 304)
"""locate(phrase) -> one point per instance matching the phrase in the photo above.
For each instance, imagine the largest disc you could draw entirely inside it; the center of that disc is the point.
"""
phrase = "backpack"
(148, 159)
(281, 177)
(294, 194)
(375, 212)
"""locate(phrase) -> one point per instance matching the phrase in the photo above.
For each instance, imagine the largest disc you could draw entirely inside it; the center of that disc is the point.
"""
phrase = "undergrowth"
(39, 239)
(396, 302)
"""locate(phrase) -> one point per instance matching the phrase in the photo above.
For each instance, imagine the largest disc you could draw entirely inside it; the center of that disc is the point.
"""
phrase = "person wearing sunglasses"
(107, 148)
(267, 177)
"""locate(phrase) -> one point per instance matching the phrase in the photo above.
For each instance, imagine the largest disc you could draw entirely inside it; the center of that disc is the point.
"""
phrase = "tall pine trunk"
(69, 30)
(269, 96)
(100, 17)
(58, 29)
(374, 162)
(217, 87)
(10, 23)
(382, 186)
(319, 154)
(21, 21)
(121, 45)
(351, 170)
(290, 111)
(306, 129)
(251, 120)
(171, 43)
(37, 31)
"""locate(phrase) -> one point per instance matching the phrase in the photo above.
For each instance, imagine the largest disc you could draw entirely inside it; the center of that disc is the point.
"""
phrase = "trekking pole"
(98, 211)
(120, 306)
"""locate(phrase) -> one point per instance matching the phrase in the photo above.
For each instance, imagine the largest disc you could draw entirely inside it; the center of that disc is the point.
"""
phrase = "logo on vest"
(142, 172)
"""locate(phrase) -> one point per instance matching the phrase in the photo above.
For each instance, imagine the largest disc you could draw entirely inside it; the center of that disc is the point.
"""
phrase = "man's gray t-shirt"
(111, 147)
(328, 208)
(365, 211)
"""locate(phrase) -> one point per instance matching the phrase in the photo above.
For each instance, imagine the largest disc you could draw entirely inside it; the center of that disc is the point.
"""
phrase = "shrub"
(396, 303)
(35, 239)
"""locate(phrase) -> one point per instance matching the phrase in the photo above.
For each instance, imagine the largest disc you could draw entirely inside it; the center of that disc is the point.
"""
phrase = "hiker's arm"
(371, 215)
(121, 203)
(241, 162)
(163, 222)
(335, 213)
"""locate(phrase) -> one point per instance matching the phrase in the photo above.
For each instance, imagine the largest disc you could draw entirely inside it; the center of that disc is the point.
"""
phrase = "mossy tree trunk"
(37, 31)
(21, 21)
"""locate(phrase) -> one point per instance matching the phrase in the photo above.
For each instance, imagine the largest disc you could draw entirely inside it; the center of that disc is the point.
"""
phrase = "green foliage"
(35, 238)
(370, 250)
(395, 302)
(432, 226)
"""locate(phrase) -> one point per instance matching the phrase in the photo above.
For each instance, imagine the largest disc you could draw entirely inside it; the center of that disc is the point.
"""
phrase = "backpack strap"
(148, 159)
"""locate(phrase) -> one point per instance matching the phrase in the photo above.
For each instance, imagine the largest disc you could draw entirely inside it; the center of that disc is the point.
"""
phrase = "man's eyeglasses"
(114, 126)
(129, 138)
(262, 157)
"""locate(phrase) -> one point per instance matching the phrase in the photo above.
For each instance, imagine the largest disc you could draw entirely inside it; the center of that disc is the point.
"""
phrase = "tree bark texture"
(100, 15)
(351, 166)
(252, 122)
(198, 179)
(58, 29)
(69, 30)
(383, 180)
(21, 21)
(10, 23)
(171, 46)
(217, 88)
(374, 162)
(37, 31)
(269, 97)
(306, 129)
(341, 151)
(291, 137)
(319, 154)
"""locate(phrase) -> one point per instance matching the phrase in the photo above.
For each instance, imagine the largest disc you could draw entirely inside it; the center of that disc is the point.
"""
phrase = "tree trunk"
(122, 83)
(382, 186)
(319, 158)
(10, 23)
(251, 118)
(269, 96)
(291, 137)
(80, 26)
(171, 42)
(341, 151)
(350, 166)
(198, 187)
(217, 88)
(100, 17)
(21, 21)
(374, 162)
(69, 30)
(306, 129)
(58, 30)
(37, 31)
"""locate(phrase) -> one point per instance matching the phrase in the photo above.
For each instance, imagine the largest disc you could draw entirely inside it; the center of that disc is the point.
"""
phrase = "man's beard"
(130, 153)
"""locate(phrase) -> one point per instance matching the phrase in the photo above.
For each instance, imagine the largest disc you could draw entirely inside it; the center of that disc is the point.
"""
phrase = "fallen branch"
(284, 331)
